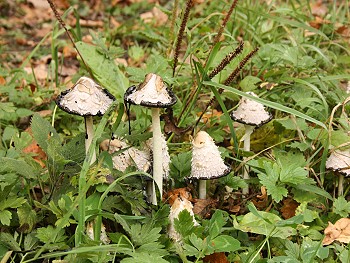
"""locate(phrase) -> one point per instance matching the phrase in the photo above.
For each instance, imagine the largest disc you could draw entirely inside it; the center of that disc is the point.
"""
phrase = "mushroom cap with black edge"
(338, 160)
(151, 93)
(86, 98)
(206, 159)
(250, 112)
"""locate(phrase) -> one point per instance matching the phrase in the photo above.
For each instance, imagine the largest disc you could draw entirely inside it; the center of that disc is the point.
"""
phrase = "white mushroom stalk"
(206, 162)
(86, 99)
(154, 94)
(252, 114)
(339, 162)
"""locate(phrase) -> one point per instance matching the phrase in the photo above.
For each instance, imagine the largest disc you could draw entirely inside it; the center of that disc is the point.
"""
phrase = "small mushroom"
(87, 99)
(154, 94)
(128, 155)
(339, 162)
(206, 161)
(253, 115)
(179, 203)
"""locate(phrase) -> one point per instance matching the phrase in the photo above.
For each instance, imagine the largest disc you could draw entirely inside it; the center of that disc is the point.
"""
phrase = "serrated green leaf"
(341, 206)
(46, 235)
(8, 240)
(27, 216)
(260, 225)
(197, 242)
(216, 223)
(12, 202)
(5, 217)
(225, 243)
(144, 257)
(249, 83)
(184, 223)
(18, 166)
(42, 129)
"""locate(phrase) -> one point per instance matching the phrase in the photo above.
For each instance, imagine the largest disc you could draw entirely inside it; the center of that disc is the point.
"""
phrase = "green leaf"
(27, 217)
(144, 257)
(225, 243)
(43, 131)
(216, 223)
(341, 206)
(18, 166)
(184, 223)
(12, 202)
(261, 225)
(249, 83)
(5, 217)
(107, 73)
(46, 235)
(8, 240)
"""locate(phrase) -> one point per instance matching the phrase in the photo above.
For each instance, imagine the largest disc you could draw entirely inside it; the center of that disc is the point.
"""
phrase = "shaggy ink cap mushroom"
(151, 93)
(338, 160)
(251, 113)
(86, 98)
(206, 159)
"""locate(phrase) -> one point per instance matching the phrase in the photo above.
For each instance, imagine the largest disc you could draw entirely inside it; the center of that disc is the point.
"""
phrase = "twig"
(189, 4)
(63, 24)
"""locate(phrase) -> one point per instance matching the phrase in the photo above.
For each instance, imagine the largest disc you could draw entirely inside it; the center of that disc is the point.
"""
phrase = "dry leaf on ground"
(340, 231)
(288, 208)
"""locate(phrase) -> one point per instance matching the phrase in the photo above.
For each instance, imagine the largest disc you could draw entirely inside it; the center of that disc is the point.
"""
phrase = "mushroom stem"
(150, 189)
(246, 141)
(202, 189)
(89, 127)
(157, 154)
(340, 185)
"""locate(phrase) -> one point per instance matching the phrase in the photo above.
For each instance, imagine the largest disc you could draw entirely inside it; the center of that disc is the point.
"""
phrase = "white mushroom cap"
(339, 160)
(206, 159)
(165, 155)
(151, 93)
(251, 112)
(130, 156)
(86, 98)
(179, 205)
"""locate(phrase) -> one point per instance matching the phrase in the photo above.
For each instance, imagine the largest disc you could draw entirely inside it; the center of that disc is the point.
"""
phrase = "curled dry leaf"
(340, 231)
(288, 208)
(218, 257)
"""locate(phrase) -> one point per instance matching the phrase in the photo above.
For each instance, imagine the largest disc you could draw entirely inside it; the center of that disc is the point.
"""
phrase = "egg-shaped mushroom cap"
(250, 112)
(86, 98)
(206, 159)
(151, 93)
(339, 161)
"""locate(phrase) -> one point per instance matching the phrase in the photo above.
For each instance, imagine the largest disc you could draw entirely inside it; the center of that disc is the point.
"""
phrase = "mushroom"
(206, 161)
(179, 201)
(87, 99)
(154, 94)
(339, 162)
(128, 156)
(253, 115)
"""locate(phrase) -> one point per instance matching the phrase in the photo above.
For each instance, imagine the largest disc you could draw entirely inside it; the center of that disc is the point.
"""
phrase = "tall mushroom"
(87, 99)
(206, 161)
(154, 94)
(339, 162)
(253, 115)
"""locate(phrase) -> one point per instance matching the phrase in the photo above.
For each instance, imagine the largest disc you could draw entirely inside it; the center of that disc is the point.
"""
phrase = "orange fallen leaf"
(172, 195)
(340, 232)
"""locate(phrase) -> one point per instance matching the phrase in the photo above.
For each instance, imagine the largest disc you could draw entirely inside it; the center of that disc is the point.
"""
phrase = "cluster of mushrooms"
(89, 99)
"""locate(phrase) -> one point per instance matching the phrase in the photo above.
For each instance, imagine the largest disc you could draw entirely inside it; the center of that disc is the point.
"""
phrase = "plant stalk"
(157, 155)
(246, 141)
(89, 127)
(340, 185)
(202, 189)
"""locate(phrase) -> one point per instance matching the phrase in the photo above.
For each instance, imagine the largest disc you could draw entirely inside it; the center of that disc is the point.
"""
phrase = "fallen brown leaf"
(204, 207)
(172, 195)
(340, 231)
(288, 208)
(218, 257)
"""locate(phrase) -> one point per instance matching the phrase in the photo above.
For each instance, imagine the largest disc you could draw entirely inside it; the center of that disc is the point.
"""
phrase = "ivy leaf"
(341, 206)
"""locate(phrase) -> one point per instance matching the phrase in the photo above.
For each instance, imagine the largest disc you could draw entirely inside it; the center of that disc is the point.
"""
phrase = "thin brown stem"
(229, 57)
(189, 4)
(241, 65)
(63, 24)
